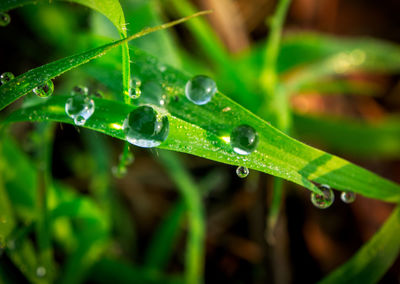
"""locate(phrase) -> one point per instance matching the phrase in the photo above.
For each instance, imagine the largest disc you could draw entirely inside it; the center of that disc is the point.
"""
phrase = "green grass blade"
(371, 262)
(25, 83)
(109, 8)
(277, 154)
(372, 140)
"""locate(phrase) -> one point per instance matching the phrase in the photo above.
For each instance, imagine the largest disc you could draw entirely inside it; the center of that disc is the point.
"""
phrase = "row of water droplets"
(327, 197)
(146, 127)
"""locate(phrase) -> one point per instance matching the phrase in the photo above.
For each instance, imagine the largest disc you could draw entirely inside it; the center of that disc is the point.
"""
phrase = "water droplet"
(41, 271)
(242, 172)
(44, 90)
(244, 139)
(6, 77)
(134, 88)
(144, 127)
(200, 89)
(348, 196)
(5, 19)
(80, 108)
(324, 200)
(80, 90)
(152, 93)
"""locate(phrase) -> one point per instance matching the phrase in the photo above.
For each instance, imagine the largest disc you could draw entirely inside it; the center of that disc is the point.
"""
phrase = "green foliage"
(84, 225)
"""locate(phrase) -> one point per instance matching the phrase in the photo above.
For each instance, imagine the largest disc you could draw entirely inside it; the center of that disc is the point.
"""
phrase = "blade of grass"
(194, 264)
(25, 83)
(109, 8)
(372, 261)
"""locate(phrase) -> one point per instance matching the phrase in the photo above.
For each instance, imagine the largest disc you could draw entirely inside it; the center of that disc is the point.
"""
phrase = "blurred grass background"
(133, 229)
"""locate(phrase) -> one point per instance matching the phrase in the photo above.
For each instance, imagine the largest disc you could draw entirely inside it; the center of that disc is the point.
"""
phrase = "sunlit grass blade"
(367, 139)
(371, 262)
(277, 154)
(25, 83)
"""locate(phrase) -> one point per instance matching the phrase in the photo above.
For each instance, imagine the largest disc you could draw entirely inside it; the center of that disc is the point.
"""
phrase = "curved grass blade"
(277, 154)
(25, 83)
(371, 262)
(109, 8)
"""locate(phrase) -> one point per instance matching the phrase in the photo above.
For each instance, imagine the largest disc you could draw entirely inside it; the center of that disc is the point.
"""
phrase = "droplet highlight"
(242, 172)
(80, 108)
(41, 271)
(5, 19)
(6, 77)
(324, 200)
(145, 127)
(200, 89)
(45, 90)
(244, 139)
(348, 197)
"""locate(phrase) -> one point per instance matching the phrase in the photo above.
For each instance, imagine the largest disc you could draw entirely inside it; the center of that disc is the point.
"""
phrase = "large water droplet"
(6, 77)
(5, 19)
(41, 271)
(144, 127)
(80, 108)
(324, 200)
(242, 172)
(244, 139)
(45, 90)
(200, 89)
(348, 196)
(134, 88)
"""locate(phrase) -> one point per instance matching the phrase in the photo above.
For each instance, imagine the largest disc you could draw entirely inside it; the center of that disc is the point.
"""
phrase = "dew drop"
(118, 171)
(144, 127)
(244, 139)
(324, 200)
(6, 77)
(41, 271)
(80, 90)
(348, 197)
(200, 89)
(134, 88)
(5, 19)
(242, 172)
(80, 108)
(44, 90)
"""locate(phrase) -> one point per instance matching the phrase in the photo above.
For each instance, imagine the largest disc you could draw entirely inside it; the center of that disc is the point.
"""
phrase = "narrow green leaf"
(372, 261)
(25, 83)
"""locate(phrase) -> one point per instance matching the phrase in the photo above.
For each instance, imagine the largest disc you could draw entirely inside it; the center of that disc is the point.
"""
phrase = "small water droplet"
(80, 90)
(41, 271)
(6, 77)
(324, 200)
(45, 90)
(242, 172)
(244, 139)
(144, 127)
(5, 19)
(80, 108)
(348, 196)
(200, 89)
(134, 88)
